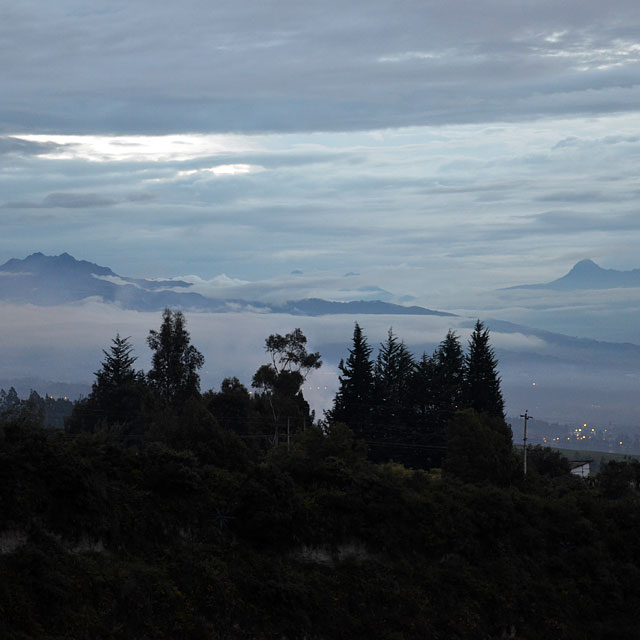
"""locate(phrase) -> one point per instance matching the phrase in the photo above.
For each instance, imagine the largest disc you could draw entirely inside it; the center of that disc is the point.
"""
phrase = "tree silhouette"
(482, 382)
(175, 363)
(117, 395)
(117, 367)
(290, 363)
(282, 379)
(393, 372)
(354, 399)
(447, 379)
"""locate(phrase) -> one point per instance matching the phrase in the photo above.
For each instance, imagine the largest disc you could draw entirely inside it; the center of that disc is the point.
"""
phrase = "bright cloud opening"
(177, 148)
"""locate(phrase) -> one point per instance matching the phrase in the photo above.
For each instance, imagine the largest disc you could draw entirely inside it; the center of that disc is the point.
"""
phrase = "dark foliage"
(117, 396)
(354, 400)
(175, 363)
(280, 383)
(105, 541)
(482, 382)
(189, 533)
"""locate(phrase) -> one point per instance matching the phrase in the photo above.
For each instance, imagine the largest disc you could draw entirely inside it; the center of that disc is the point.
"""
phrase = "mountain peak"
(586, 274)
(586, 266)
(41, 264)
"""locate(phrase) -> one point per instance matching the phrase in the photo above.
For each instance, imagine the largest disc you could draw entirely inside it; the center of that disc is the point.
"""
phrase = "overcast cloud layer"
(436, 150)
(115, 66)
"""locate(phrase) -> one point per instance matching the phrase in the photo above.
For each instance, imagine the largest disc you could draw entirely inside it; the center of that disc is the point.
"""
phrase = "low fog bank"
(599, 314)
(573, 382)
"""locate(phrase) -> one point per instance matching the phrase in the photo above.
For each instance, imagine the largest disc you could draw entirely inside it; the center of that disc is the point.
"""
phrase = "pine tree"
(393, 373)
(422, 439)
(393, 416)
(117, 395)
(175, 363)
(423, 391)
(448, 378)
(482, 382)
(117, 368)
(354, 399)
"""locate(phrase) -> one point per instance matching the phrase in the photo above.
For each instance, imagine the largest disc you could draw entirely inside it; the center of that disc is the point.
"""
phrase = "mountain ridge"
(51, 280)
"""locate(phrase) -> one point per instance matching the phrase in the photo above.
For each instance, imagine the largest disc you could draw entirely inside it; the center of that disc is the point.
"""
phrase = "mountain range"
(53, 280)
(48, 333)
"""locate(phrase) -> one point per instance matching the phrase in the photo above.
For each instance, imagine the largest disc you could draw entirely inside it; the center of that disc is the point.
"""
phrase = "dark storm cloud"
(290, 66)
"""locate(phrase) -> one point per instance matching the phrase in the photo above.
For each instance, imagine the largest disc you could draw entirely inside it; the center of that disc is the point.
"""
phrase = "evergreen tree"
(482, 382)
(448, 379)
(423, 390)
(354, 399)
(428, 431)
(117, 395)
(393, 373)
(117, 368)
(175, 363)
(119, 388)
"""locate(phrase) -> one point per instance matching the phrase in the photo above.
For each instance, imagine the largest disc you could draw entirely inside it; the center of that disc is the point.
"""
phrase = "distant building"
(580, 468)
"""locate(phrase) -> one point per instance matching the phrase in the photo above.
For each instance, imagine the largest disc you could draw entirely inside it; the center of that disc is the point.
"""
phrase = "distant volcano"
(586, 274)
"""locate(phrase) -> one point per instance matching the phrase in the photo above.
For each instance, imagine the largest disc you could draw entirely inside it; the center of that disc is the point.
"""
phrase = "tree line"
(134, 405)
(401, 404)
(397, 404)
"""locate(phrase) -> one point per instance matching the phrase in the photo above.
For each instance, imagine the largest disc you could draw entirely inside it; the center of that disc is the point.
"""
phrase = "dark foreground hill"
(205, 541)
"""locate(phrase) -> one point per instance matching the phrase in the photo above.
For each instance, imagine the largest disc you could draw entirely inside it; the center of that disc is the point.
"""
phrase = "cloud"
(77, 201)
(291, 67)
(433, 213)
(15, 146)
(221, 170)
(132, 148)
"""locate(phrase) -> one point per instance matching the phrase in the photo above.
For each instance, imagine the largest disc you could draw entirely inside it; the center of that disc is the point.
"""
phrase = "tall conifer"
(482, 382)
(354, 400)
(448, 377)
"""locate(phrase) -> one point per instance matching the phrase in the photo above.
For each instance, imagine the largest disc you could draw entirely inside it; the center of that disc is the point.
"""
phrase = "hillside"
(203, 541)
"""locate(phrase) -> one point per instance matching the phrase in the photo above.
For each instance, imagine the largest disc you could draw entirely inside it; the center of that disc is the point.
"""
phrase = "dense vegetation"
(161, 512)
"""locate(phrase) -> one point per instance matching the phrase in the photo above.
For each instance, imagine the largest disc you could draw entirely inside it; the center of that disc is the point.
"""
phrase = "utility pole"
(288, 435)
(526, 417)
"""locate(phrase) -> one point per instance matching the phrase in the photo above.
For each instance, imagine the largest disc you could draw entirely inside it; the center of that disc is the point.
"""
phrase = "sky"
(435, 149)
